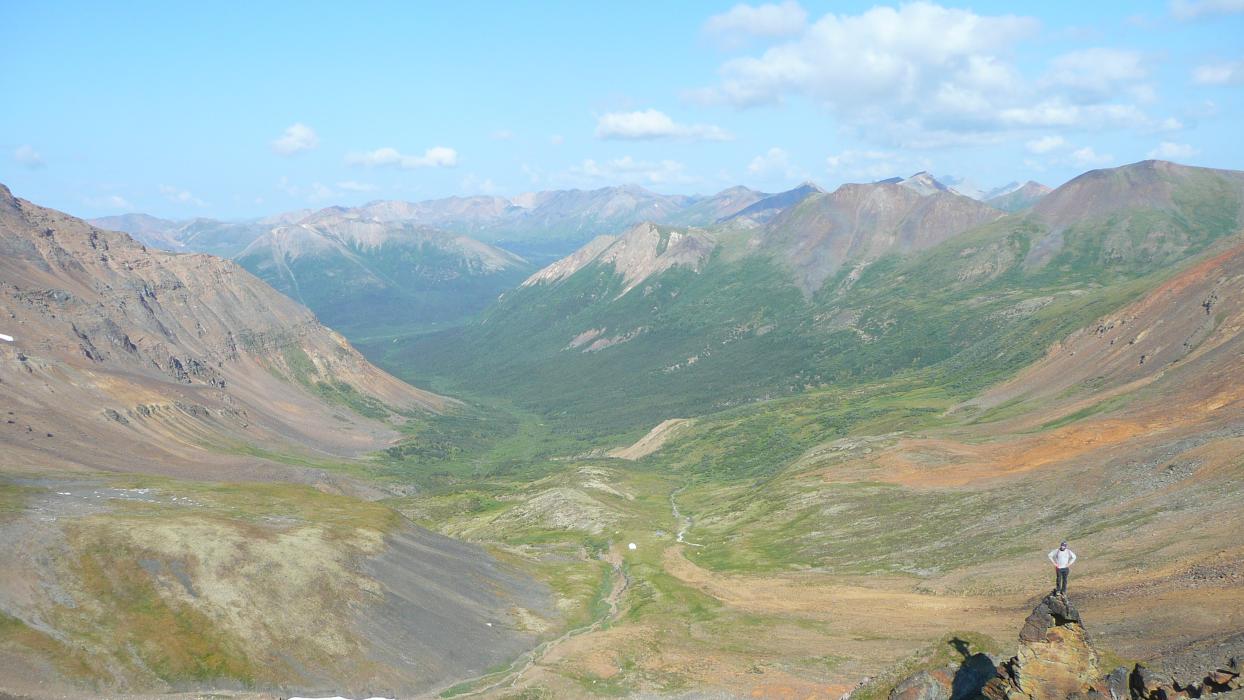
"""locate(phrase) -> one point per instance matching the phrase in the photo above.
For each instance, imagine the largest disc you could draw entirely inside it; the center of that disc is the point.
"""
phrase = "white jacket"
(1063, 558)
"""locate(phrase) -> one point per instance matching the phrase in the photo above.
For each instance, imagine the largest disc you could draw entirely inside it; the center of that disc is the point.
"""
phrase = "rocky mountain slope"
(861, 223)
(181, 496)
(849, 286)
(361, 275)
(117, 343)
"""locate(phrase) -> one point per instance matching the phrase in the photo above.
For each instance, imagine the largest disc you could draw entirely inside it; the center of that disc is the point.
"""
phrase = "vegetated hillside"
(865, 530)
(364, 277)
(144, 396)
(739, 325)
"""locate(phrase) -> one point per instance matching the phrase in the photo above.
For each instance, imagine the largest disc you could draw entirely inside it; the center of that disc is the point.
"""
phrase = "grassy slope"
(971, 310)
(390, 289)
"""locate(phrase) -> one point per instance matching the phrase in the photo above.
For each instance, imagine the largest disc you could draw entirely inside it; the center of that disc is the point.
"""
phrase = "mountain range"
(420, 265)
(837, 287)
(801, 444)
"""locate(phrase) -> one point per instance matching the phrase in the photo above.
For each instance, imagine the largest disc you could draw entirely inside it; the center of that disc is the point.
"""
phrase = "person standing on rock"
(1062, 558)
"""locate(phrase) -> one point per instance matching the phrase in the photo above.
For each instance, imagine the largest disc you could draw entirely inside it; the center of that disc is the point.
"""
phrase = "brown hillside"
(132, 359)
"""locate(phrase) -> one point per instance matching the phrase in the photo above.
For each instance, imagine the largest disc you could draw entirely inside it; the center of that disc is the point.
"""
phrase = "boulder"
(1118, 684)
(921, 685)
(1145, 682)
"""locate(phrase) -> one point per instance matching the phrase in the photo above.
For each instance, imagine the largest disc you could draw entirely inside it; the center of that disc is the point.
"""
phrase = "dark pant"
(1060, 580)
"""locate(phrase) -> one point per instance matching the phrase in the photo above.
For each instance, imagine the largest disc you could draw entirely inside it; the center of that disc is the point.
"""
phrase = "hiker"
(1062, 558)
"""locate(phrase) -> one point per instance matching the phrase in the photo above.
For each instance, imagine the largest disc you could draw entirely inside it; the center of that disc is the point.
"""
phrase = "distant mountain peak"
(1015, 197)
(923, 183)
(766, 208)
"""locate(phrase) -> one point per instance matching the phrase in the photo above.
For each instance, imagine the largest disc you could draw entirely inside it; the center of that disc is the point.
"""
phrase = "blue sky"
(244, 109)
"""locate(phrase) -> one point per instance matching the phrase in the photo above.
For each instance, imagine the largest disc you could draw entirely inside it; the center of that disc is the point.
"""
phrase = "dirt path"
(521, 666)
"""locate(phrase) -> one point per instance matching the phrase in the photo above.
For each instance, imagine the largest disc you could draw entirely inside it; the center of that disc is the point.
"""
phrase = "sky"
(233, 110)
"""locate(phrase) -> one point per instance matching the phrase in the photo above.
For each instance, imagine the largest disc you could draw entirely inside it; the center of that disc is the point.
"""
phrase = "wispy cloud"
(321, 193)
(501, 135)
(28, 157)
(180, 196)
(1169, 150)
(435, 157)
(474, 184)
(1045, 144)
(1195, 9)
(298, 137)
(1087, 157)
(1095, 73)
(112, 201)
(734, 27)
(650, 124)
(353, 186)
(1229, 73)
(774, 162)
(871, 165)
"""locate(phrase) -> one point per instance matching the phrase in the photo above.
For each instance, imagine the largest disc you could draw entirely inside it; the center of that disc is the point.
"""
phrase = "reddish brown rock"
(1055, 659)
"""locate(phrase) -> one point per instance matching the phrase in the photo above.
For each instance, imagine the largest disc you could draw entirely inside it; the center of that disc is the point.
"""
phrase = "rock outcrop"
(1055, 659)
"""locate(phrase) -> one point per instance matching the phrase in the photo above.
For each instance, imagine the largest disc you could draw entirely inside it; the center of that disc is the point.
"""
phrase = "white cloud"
(735, 26)
(353, 186)
(1087, 157)
(898, 55)
(298, 137)
(1168, 150)
(27, 156)
(557, 139)
(627, 169)
(1193, 9)
(501, 135)
(435, 157)
(1045, 144)
(1231, 73)
(180, 196)
(651, 124)
(920, 75)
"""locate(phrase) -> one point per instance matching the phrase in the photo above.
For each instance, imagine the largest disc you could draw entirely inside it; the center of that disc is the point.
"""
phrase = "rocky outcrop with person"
(1057, 660)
